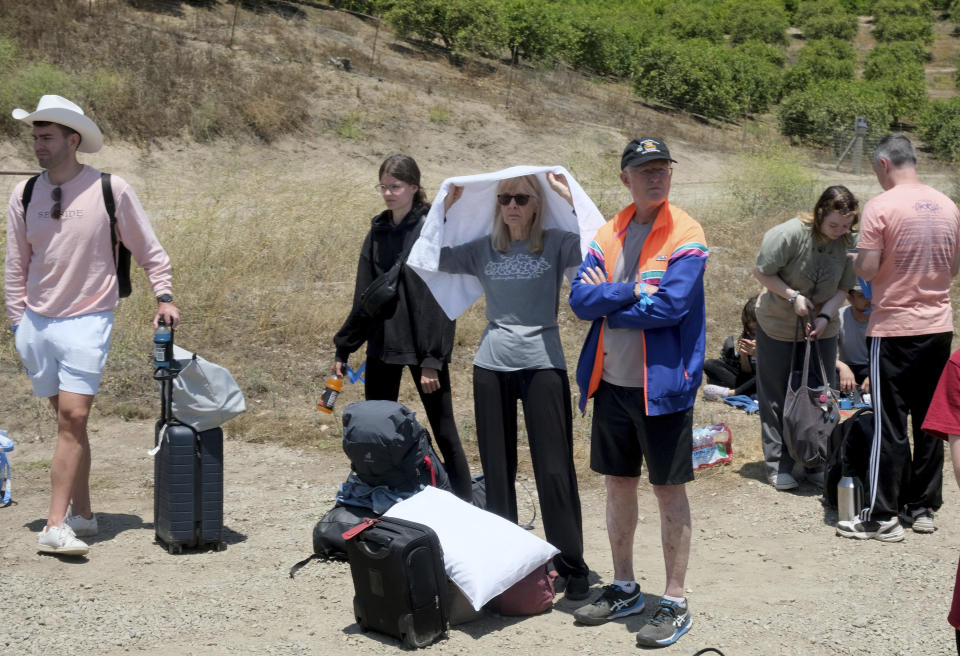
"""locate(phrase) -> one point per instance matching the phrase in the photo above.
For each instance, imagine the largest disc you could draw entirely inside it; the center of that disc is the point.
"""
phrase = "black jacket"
(419, 332)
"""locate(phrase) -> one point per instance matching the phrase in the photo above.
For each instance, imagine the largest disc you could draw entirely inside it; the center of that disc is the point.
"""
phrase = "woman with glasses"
(520, 267)
(414, 332)
(805, 267)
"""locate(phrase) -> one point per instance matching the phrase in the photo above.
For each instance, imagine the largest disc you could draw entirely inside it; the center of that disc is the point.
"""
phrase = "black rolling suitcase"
(400, 585)
(188, 479)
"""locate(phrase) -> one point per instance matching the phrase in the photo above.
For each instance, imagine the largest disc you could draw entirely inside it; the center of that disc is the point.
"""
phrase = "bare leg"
(675, 531)
(622, 523)
(70, 469)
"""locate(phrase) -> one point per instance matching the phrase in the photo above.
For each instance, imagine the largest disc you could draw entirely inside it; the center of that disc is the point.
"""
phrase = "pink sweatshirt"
(64, 268)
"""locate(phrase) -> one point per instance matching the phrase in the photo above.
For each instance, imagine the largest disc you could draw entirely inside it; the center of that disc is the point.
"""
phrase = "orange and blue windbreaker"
(671, 322)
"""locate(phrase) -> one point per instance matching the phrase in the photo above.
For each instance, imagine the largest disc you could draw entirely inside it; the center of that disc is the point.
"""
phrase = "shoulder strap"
(111, 212)
(28, 194)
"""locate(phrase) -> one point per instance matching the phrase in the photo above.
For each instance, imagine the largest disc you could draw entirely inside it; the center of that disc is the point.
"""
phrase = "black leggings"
(547, 412)
(721, 372)
(383, 384)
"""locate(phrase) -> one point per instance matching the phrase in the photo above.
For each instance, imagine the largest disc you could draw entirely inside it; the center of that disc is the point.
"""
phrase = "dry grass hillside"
(264, 236)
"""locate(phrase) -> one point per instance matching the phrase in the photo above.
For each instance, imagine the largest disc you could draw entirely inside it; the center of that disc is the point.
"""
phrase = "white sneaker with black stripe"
(886, 531)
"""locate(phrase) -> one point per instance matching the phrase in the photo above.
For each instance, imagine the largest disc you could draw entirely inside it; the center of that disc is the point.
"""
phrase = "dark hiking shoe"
(612, 603)
(666, 626)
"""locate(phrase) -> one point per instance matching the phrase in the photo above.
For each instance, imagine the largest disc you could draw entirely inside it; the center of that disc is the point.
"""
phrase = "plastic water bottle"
(162, 345)
(329, 395)
(849, 498)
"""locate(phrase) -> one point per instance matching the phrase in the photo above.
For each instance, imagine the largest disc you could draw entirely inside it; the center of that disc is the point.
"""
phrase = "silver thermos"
(849, 498)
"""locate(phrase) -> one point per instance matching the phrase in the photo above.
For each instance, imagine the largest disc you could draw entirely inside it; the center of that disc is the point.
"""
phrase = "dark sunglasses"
(522, 199)
(55, 211)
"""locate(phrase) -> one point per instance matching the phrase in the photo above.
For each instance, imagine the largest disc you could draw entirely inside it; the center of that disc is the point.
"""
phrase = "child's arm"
(955, 456)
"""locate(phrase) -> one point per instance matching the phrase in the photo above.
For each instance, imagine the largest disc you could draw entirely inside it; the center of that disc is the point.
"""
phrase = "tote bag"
(205, 395)
(809, 414)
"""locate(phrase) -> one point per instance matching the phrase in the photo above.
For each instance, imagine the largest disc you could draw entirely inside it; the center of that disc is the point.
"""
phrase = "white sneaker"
(715, 392)
(783, 482)
(61, 540)
(82, 527)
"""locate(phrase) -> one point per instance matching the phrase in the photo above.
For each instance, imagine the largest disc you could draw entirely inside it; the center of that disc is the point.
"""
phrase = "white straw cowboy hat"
(57, 109)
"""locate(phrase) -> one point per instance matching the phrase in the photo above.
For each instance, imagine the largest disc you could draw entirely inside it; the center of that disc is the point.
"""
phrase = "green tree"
(607, 43)
(693, 75)
(939, 128)
(463, 26)
(816, 114)
(690, 20)
(890, 27)
(757, 74)
(761, 20)
(826, 18)
(822, 60)
(535, 31)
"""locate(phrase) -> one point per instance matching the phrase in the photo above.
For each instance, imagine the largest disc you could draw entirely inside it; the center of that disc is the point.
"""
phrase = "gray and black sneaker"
(612, 603)
(666, 626)
(885, 531)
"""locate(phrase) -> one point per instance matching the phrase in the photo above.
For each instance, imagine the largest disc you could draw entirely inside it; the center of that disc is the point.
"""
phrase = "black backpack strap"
(111, 212)
(27, 195)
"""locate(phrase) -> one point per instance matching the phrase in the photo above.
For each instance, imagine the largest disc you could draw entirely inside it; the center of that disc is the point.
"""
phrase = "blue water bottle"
(162, 345)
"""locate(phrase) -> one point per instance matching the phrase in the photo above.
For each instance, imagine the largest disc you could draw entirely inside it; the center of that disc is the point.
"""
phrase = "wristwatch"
(164, 298)
(793, 296)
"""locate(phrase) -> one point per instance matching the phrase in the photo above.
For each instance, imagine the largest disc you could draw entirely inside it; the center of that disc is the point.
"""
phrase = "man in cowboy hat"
(61, 289)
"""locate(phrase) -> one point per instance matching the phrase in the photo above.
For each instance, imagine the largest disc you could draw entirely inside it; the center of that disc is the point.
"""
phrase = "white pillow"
(483, 553)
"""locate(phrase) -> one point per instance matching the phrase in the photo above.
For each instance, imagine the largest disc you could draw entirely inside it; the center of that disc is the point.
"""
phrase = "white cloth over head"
(471, 217)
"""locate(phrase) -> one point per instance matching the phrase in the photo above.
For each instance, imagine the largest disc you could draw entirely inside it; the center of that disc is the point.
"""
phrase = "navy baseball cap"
(645, 149)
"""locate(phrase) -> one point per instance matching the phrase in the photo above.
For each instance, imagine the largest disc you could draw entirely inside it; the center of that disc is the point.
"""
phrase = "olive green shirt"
(816, 268)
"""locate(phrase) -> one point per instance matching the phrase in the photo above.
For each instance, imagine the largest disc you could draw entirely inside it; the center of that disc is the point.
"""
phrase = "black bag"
(187, 480)
(328, 542)
(121, 254)
(387, 446)
(379, 299)
(399, 581)
(849, 452)
(809, 413)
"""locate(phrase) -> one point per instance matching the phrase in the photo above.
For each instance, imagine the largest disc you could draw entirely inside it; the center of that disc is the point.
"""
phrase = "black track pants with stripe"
(903, 376)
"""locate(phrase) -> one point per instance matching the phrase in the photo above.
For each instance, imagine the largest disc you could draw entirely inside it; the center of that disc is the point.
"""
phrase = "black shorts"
(624, 436)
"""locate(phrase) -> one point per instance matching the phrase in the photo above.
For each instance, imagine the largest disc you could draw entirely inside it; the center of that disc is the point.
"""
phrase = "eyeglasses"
(55, 211)
(522, 199)
(657, 172)
(393, 189)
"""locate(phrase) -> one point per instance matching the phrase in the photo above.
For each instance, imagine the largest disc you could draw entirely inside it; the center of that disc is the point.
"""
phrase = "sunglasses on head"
(55, 211)
(522, 199)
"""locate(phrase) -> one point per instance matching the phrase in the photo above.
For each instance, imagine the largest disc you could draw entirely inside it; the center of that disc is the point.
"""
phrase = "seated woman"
(520, 268)
(735, 372)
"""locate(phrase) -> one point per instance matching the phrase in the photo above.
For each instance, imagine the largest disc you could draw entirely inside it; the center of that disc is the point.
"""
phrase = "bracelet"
(824, 315)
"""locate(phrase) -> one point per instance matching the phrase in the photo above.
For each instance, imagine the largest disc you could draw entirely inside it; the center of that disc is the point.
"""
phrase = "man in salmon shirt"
(641, 284)
(61, 289)
(908, 249)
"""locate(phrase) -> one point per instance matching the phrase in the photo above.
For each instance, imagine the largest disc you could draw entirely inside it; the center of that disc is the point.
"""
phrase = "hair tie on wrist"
(824, 315)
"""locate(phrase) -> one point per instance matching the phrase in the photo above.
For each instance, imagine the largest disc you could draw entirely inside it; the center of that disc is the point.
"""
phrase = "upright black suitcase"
(188, 480)
(399, 581)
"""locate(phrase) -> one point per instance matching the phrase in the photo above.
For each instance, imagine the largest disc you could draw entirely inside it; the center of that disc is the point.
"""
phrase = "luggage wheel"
(174, 549)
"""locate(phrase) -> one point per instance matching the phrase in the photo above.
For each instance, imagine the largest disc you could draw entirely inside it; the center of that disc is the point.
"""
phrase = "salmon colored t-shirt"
(917, 228)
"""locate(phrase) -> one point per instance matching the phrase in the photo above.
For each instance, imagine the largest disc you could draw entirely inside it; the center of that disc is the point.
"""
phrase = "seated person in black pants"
(735, 371)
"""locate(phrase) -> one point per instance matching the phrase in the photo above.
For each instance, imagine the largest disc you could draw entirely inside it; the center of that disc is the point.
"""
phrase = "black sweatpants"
(548, 414)
(903, 376)
(383, 384)
(723, 373)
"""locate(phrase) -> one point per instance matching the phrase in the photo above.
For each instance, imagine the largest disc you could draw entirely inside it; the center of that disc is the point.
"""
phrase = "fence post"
(233, 27)
(373, 52)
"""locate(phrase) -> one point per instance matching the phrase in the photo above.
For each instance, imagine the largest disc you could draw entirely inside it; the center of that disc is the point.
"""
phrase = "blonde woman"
(520, 267)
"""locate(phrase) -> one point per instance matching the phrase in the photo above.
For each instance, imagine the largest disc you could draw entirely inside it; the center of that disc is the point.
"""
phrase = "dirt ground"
(767, 575)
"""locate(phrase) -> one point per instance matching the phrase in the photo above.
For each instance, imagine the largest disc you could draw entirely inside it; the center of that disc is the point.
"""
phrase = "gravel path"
(767, 575)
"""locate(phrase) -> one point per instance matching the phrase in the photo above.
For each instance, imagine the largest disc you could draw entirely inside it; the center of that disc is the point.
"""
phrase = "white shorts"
(64, 354)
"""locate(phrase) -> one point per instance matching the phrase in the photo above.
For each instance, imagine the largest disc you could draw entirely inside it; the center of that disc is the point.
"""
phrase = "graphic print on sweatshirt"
(519, 266)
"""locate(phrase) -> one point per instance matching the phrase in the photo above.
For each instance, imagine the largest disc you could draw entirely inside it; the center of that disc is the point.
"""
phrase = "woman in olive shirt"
(805, 268)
